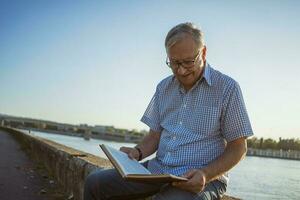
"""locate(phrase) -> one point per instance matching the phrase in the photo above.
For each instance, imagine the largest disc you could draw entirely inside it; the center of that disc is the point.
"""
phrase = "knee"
(98, 184)
(91, 183)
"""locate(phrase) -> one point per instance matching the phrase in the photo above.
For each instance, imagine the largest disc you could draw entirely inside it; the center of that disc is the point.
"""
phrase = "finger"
(125, 149)
(181, 186)
(122, 149)
(177, 184)
(131, 156)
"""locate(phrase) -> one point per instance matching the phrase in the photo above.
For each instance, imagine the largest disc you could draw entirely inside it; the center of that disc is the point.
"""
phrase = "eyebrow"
(186, 59)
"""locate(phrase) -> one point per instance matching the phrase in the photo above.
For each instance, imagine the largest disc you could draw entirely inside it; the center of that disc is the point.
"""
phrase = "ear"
(203, 55)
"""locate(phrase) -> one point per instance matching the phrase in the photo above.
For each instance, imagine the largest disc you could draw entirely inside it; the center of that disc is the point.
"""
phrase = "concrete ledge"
(69, 166)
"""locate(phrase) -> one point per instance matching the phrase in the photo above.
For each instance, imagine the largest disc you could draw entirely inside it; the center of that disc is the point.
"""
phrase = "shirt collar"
(207, 73)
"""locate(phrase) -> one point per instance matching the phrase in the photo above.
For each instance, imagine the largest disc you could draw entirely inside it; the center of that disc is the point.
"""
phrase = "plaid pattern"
(195, 125)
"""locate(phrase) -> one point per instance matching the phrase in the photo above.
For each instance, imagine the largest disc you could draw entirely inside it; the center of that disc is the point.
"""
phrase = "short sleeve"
(151, 116)
(235, 122)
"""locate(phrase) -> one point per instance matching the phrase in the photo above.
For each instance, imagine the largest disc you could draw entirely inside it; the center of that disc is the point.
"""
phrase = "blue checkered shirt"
(195, 125)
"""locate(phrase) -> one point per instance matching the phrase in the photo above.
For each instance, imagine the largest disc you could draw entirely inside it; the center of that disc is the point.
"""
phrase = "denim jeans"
(109, 185)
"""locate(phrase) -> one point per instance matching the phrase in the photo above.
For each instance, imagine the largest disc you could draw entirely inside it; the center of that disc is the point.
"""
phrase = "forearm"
(149, 144)
(234, 152)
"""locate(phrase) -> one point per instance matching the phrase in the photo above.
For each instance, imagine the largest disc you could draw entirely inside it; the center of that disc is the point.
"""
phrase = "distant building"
(102, 129)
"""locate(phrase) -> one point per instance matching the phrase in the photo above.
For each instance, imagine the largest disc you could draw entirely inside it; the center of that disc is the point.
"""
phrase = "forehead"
(184, 48)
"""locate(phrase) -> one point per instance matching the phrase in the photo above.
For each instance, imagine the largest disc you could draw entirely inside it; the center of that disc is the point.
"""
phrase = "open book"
(132, 170)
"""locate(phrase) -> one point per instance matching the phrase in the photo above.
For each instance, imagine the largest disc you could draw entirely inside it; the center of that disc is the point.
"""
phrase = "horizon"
(82, 123)
(99, 62)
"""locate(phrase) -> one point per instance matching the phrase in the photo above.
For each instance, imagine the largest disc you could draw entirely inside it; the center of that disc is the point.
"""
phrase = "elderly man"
(198, 126)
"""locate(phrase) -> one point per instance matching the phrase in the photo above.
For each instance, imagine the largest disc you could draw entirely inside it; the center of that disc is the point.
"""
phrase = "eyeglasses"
(187, 64)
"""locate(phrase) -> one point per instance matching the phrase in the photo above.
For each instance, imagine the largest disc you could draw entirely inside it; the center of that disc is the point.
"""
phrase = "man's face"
(187, 50)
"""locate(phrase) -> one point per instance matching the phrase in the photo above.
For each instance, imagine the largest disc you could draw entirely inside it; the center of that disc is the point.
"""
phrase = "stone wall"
(69, 166)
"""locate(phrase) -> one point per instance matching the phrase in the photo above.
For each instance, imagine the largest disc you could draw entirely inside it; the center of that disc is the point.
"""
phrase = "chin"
(187, 82)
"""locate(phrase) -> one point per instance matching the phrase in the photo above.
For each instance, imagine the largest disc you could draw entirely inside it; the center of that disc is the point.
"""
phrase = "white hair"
(180, 31)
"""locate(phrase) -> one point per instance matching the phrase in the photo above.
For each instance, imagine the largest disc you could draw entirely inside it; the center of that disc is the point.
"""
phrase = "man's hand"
(131, 152)
(196, 181)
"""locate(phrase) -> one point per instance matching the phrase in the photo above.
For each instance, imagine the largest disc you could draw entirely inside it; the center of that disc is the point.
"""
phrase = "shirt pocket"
(205, 120)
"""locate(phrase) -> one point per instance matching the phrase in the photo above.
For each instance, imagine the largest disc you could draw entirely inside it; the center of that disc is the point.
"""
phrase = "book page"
(128, 165)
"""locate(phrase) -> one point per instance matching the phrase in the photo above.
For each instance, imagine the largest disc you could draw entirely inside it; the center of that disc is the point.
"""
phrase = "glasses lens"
(188, 64)
(185, 64)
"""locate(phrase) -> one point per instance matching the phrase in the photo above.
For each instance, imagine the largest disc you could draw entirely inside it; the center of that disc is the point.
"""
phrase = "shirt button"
(184, 105)
(174, 137)
(169, 153)
(180, 122)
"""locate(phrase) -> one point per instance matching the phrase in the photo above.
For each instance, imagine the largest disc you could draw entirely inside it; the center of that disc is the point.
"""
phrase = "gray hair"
(178, 32)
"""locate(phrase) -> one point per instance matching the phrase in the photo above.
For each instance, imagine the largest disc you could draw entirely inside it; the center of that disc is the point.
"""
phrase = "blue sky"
(98, 62)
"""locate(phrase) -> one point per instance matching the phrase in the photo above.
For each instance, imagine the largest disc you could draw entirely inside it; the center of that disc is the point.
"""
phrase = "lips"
(186, 75)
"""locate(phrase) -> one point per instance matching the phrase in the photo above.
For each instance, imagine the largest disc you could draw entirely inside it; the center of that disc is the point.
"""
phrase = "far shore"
(270, 153)
(266, 153)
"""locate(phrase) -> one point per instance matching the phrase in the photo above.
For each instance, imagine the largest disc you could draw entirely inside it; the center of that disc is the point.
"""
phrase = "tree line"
(283, 144)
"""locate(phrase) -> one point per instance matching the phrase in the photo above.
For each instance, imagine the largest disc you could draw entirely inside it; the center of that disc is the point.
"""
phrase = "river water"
(252, 178)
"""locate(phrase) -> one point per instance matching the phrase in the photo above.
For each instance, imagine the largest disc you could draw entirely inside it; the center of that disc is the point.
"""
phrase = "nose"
(181, 70)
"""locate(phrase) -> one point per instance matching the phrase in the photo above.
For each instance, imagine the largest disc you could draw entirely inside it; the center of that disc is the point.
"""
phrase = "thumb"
(124, 149)
(189, 174)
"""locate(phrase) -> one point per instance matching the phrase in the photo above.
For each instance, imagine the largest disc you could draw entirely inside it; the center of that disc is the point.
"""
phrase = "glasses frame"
(181, 64)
